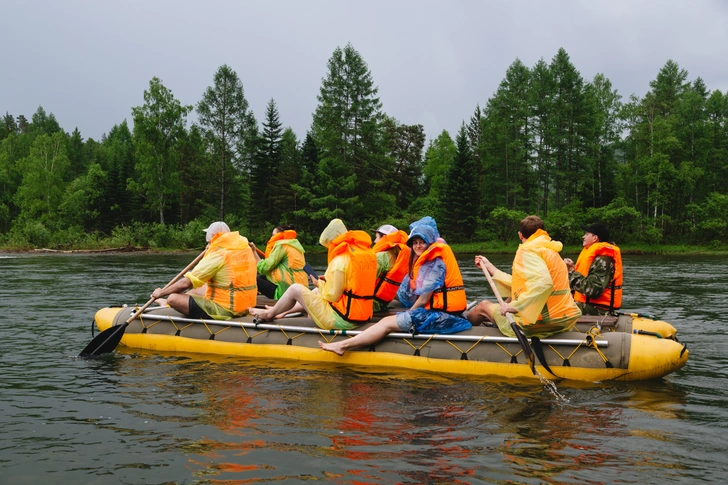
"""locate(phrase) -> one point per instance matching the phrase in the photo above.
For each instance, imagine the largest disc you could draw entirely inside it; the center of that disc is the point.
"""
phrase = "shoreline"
(460, 248)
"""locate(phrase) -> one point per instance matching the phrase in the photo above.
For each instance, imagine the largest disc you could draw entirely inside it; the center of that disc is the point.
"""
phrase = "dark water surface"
(143, 418)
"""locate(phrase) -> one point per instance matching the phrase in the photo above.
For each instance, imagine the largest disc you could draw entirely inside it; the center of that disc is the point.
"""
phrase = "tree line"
(547, 142)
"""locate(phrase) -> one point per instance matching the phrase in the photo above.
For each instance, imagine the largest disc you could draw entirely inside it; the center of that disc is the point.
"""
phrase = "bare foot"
(161, 301)
(335, 347)
(262, 315)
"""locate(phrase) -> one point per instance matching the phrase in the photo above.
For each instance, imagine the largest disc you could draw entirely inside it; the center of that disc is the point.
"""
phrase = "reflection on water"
(140, 417)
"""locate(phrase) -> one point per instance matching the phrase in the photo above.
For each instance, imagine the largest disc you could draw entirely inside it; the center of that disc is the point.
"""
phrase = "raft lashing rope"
(589, 340)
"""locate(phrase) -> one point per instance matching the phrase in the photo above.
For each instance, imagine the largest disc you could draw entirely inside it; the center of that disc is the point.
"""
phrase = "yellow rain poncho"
(284, 262)
(350, 275)
(539, 289)
(228, 268)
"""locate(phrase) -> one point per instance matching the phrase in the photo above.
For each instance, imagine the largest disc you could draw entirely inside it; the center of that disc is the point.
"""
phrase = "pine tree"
(9, 124)
(265, 169)
(198, 196)
(477, 143)
(43, 123)
(119, 205)
(460, 201)
(603, 137)
(717, 136)
(404, 171)
(306, 187)
(23, 124)
(511, 138)
(438, 159)
(346, 129)
(284, 194)
(542, 92)
(76, 155)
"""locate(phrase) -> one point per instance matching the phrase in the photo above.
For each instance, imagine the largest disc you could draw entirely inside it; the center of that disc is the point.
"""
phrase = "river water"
(143, 418)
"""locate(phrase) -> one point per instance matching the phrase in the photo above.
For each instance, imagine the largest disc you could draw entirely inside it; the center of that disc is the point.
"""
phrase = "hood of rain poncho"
(541, 239)
(343, 243)
(335, 229)
(426, 232)
(387, 241)
(426, 221)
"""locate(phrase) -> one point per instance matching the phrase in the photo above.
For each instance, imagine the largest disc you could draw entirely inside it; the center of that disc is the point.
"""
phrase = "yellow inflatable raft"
(603, 348)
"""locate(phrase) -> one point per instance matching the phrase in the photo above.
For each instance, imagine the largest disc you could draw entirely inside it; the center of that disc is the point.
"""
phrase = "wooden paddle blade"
(525, 345)
(104, 342)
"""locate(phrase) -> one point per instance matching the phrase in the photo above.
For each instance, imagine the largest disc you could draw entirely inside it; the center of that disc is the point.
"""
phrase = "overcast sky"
(89, 62)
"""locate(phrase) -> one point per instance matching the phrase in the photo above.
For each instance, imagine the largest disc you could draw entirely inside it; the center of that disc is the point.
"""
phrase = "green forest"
(547, 142)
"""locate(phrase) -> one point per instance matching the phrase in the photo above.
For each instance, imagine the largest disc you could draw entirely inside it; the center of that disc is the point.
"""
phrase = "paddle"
(107, 340)
(522, 339)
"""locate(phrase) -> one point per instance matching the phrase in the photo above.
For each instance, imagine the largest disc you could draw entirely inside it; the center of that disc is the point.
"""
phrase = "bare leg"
(287, 301)
(198, 291)
(371, 335)
(480, 314)
(296, 308)
(179, 302)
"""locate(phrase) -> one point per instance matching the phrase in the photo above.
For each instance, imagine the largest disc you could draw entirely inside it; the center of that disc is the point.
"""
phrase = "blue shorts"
(431, 321)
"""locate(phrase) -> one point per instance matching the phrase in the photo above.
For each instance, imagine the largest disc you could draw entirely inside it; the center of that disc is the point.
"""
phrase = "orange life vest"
(241, 291)
(355, 304)
(388, 283)
(559, 304)
(288, 234)
(296, 261)
(611, 298)
(451, 297)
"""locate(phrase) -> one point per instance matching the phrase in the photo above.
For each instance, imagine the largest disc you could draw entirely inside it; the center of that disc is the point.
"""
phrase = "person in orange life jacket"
(343, 297)
(596, 278)
(390, 246)
(432, 290)
(540, 299)
(428, 221)
(283, 264)
(227, 271)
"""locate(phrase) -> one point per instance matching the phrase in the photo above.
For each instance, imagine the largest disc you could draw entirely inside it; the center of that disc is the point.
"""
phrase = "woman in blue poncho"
(432, 291)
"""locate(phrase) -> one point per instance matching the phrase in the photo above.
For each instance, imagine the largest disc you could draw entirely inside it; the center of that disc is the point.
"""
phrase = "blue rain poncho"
(430, 277)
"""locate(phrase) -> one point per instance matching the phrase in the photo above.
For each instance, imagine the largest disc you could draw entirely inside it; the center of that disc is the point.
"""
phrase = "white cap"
(215, 228)
(386, 229)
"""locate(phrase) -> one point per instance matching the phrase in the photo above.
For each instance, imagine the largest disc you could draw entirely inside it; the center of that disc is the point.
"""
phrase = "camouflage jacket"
(593, 284)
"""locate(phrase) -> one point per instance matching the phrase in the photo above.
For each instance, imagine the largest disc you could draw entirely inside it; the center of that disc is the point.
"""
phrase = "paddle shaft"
(495, 291)
(173, 281)
(516, 329)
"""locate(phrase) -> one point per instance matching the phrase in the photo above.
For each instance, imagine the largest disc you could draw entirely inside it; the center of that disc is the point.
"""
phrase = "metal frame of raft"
(593, 356)
(322, 332)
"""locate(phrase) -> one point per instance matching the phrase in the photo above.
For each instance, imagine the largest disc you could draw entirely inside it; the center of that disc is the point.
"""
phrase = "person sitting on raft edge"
(538, 288)
(343, 297)
(596, 278)
(390, 246)
(226, 272)
(283, 262)
(433, 273)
